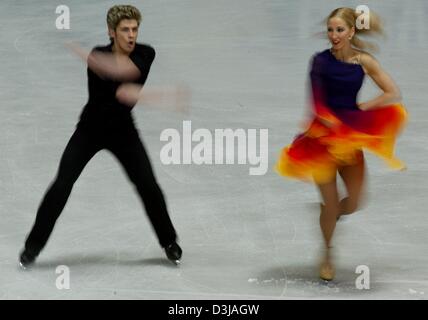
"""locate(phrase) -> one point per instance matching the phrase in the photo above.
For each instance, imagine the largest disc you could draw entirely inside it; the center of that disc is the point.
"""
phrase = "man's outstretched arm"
(106, 65)
(174, 98)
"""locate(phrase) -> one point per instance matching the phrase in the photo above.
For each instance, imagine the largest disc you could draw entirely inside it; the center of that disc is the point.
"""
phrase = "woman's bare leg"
(354, 179)
(329, 212)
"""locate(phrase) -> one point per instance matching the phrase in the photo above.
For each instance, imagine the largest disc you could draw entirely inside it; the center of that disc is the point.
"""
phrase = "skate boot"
(327, 271)
(174, 252)
(26, 259)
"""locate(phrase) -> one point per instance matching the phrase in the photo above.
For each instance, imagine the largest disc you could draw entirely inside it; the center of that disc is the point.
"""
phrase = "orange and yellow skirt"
(334, 140)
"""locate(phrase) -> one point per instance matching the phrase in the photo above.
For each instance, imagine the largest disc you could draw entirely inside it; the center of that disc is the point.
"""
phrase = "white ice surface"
(244, 237)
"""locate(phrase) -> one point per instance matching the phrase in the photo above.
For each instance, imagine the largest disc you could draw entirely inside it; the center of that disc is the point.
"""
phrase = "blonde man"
(116, 75)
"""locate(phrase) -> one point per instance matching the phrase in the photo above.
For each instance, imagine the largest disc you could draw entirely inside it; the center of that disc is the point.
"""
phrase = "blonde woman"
(341, 128)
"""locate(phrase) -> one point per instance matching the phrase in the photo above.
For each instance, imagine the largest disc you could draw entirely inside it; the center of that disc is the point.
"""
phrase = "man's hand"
(129, 94)
(173, 98)
(106, 64)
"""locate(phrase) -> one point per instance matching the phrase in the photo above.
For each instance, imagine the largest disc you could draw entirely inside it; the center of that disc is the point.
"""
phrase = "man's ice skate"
(26, 259)
(174, 252)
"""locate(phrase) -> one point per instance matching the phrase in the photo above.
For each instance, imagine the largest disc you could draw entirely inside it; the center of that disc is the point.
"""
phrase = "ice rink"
(243, 236)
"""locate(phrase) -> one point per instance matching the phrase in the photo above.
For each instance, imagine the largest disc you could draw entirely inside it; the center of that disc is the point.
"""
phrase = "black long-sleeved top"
(102, 108)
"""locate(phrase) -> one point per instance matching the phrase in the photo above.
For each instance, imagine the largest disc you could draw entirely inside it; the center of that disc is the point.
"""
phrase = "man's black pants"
(124, 142)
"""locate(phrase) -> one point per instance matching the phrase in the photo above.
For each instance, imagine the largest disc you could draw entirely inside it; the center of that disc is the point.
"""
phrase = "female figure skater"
(116, 75)
(340, 127)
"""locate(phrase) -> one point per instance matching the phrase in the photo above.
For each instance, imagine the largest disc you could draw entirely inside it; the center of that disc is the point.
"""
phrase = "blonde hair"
(118, 13)
(350, 17)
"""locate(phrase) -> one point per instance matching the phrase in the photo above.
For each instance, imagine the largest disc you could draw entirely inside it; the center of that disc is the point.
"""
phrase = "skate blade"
(23, 267)
(176, 262)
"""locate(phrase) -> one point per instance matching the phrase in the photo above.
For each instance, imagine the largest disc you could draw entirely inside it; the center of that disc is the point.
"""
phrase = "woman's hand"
(362, 106)
(325, 122)
(391, 93)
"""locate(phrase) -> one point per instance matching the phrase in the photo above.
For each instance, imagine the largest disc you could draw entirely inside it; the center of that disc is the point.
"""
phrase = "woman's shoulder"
(367, 60)
(321, 54)
(364, 56)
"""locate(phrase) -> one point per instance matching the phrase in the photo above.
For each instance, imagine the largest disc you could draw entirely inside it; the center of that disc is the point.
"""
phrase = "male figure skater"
(116, 75)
